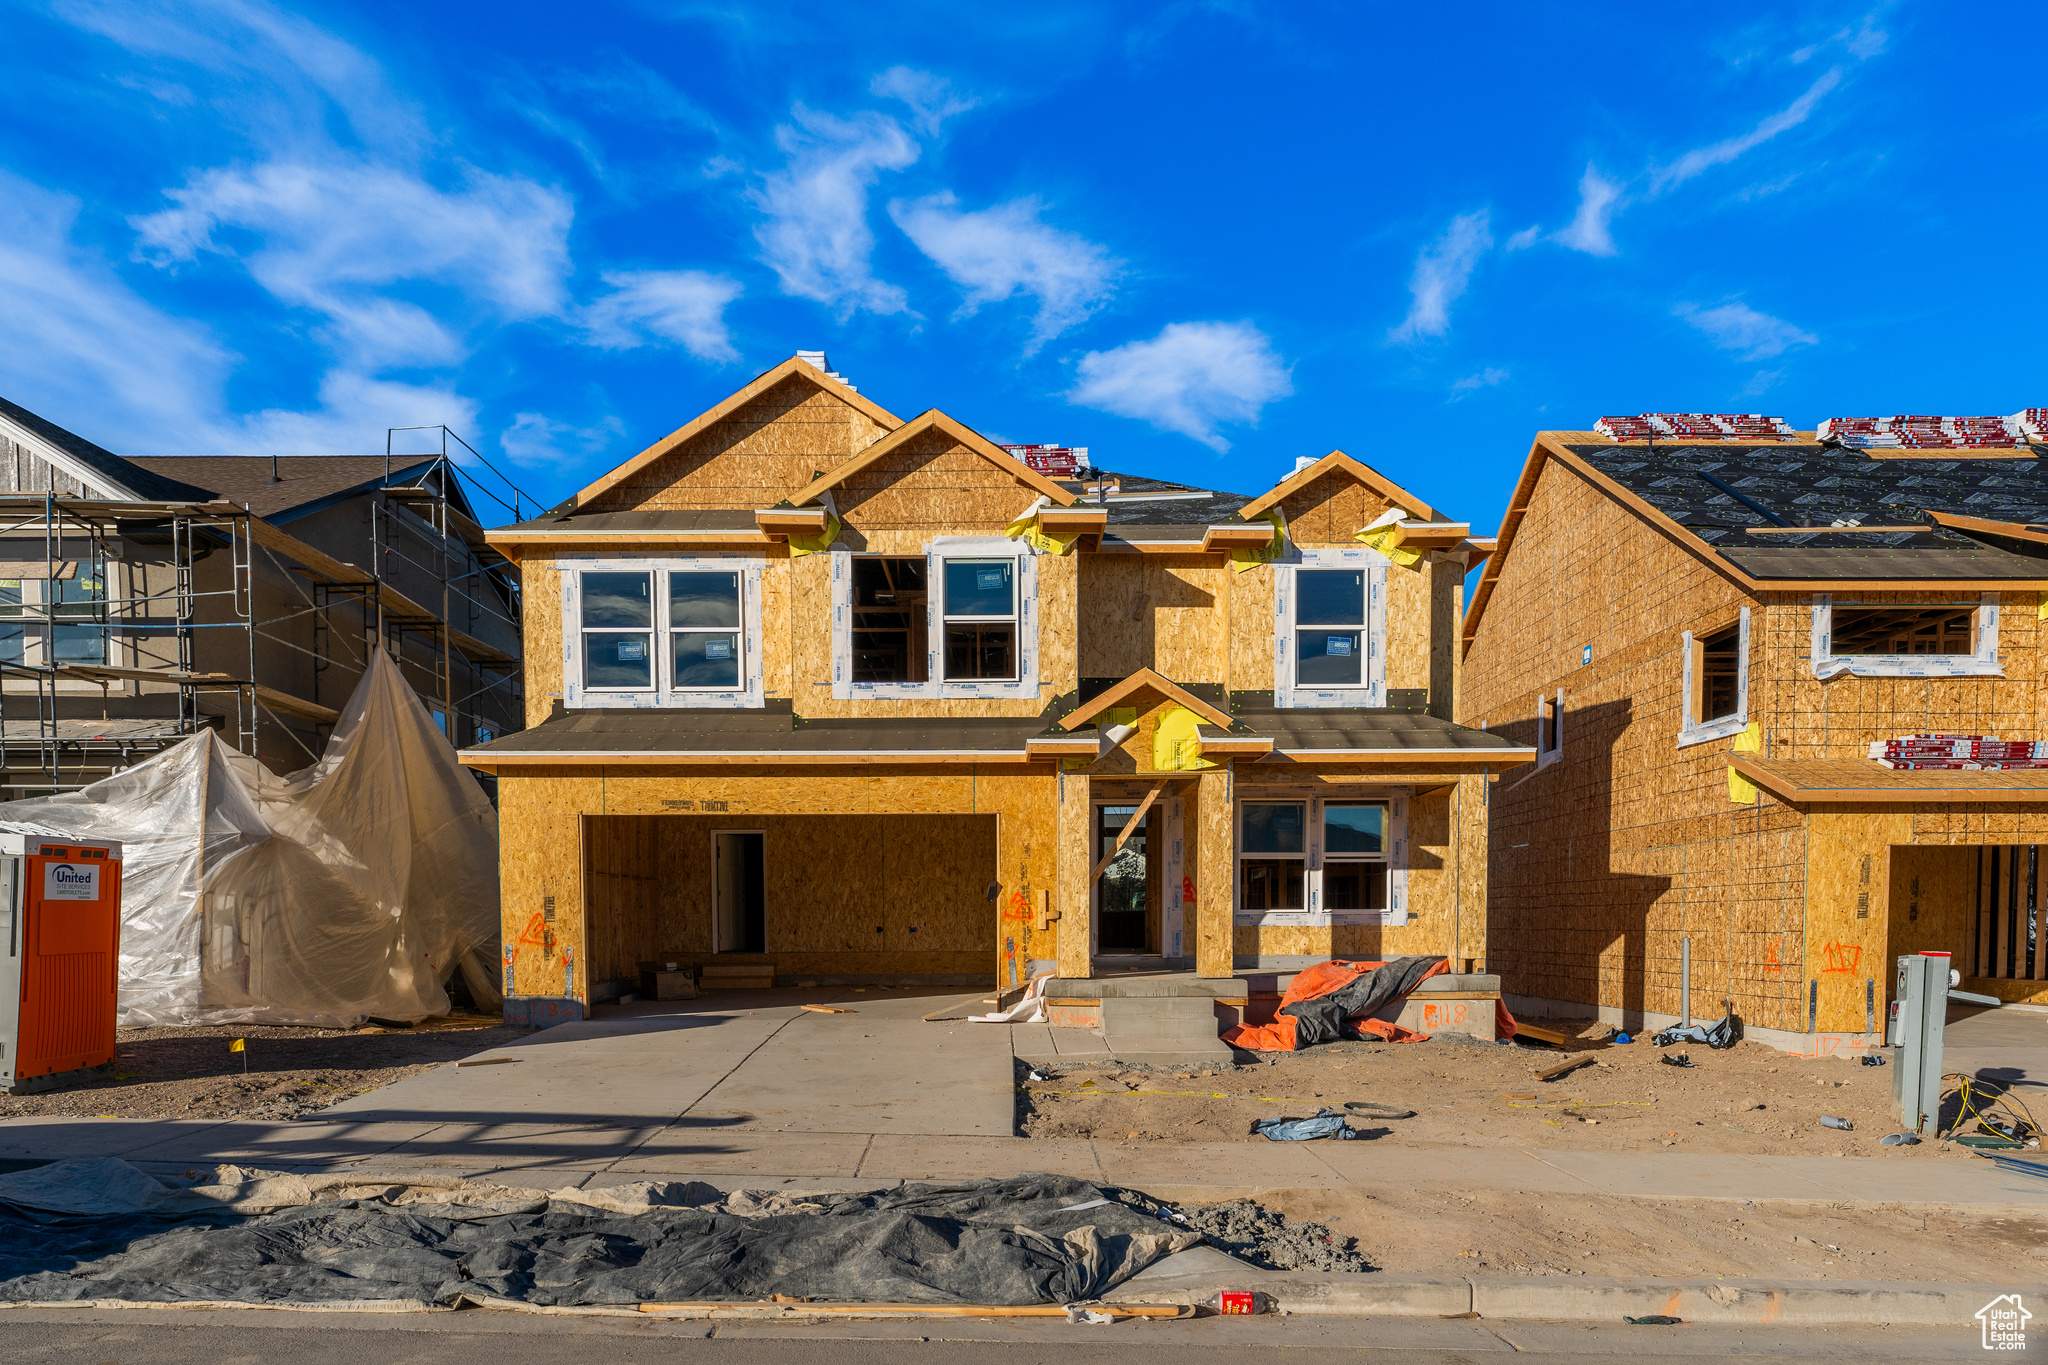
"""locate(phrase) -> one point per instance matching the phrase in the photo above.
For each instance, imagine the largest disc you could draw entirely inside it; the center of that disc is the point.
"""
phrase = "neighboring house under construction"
(142, 599)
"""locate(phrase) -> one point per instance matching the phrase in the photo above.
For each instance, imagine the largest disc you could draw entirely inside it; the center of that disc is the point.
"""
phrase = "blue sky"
(1201, 239)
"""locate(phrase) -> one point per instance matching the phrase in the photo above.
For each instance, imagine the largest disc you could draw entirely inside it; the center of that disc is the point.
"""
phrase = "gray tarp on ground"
(85, 1230)
(1325, 1017)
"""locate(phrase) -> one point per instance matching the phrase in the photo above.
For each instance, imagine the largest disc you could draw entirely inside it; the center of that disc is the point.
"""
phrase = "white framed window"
(1329, 626)
(1714, 683)
(1905, 640)
(979, 619)
(661, 632)
(1549, 729)
(960, 620)
(1314, 861)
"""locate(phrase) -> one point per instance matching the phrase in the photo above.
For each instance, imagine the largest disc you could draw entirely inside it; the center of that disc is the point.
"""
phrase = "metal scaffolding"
(68, 635)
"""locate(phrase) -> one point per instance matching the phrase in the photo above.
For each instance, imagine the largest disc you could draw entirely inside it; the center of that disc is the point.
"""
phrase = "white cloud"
(1189, 378)
(931, 98)
(1738, 327)
(1524, 239)
(355, 411)
(1472, 383)
(539, 441)
(331, 235)
(85, 350)
(816, 237)
(998, 252)
(1587, 230)
(79, 341)
(685, 306)
(1441, 273)
(1720, 153)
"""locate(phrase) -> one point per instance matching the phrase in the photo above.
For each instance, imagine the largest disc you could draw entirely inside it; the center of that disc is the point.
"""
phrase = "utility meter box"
(60, 927)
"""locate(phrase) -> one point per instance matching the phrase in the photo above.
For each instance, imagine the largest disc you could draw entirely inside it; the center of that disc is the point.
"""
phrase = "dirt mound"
(1252, 1232)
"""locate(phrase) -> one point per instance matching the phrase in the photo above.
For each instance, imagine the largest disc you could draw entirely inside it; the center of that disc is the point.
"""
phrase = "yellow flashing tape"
(1741, 790)
(1177, 742)
(799, 546)
(1240, 560)
(1382, 539)
(2042, 610)
(1026, 528)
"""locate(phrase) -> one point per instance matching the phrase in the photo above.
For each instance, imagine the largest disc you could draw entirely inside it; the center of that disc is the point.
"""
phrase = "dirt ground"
(292, 1072)
(1749, 1099)
(1508, 1233)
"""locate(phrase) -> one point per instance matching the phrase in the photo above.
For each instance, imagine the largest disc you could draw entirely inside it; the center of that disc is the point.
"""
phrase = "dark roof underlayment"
(776, 729)
(1722, 493)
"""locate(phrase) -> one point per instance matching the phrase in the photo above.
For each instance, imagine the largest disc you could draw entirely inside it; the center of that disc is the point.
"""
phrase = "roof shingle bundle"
(2033, 423)
(1915, 753)
(1052, 459)
(1915, 432)
(1696, 426)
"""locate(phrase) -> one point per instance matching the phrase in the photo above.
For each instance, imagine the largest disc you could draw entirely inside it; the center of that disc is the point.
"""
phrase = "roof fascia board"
(51, 453)
(571, 758)
(1544, 450)
(925, 421)
(790, 368)
(1334, 461)
(1136, 683)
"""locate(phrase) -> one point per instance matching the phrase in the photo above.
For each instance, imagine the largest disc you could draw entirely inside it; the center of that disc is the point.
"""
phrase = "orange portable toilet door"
(70, 965)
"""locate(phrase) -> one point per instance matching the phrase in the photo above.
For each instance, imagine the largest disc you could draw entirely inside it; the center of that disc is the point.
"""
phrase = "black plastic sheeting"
(1016, 1241)
(1327, 1017)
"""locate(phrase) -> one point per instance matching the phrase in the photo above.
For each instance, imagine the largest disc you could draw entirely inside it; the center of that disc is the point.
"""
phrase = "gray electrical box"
(1919, 1014)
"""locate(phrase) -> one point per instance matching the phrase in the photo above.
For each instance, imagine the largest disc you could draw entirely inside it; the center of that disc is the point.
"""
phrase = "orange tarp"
(1320, 980)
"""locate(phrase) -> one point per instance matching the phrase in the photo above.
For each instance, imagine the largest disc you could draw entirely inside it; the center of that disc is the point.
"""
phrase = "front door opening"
(736, 863)
(1127, 894)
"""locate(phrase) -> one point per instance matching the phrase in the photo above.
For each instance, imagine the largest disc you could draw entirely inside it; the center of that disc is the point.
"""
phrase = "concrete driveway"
(2008, 1045)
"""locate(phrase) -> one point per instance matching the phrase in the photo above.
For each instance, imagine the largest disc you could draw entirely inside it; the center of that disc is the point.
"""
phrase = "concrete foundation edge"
(1642, 1023)
(1559, 1298)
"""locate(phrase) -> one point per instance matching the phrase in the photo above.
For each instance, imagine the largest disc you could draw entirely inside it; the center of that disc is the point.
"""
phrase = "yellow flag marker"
(239, 1045)
(236, 1046)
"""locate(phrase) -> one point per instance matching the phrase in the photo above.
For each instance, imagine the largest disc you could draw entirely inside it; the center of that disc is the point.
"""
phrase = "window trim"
(935, 687)
(1014, 618)
(1287, 690)
(1316, 913)
(1692, 730)
(1981, 664)
(664, 693)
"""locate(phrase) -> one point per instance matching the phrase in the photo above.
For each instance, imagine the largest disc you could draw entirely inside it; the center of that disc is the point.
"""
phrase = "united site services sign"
(71, 882)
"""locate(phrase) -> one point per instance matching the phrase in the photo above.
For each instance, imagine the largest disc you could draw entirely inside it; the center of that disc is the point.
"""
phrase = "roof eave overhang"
(490, 761)
(1882, 794)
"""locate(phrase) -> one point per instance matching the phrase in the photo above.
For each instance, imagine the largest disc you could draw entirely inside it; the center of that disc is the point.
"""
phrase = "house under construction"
(143, 599)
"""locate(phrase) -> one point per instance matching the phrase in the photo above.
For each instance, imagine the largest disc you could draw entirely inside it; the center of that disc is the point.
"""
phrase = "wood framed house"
(818, 694)
(1703, 639)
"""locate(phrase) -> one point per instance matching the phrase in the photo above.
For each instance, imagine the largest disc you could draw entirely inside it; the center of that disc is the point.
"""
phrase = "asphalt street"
(133, 1337)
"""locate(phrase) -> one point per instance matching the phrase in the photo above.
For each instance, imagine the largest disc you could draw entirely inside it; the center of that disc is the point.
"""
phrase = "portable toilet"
(60, 913)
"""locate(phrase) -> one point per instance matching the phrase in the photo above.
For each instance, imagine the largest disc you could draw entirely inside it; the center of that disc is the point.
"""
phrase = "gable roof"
(930, 420)
(119, 476)
(794, 367)
(1338, 462)
(302, 479)
(1763, 515)
(1144, 680)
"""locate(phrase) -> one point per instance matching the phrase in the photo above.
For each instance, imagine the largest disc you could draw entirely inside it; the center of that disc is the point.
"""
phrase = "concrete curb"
(1576, 1298)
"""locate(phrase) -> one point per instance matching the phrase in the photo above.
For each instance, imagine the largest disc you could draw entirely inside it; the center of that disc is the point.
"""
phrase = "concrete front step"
(1164, 1030)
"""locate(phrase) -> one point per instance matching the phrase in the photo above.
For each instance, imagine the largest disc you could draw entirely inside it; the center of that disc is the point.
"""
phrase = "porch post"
(1215, 890)
(1075, 846)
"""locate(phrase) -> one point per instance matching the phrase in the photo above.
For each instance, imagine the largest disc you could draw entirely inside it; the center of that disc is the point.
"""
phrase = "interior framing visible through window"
(1714, 696)
(890, 629)
(1906, 639)
(979, 618)
(1549, 728)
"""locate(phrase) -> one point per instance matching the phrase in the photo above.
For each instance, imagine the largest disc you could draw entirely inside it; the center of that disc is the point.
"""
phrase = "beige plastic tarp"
(350, 889)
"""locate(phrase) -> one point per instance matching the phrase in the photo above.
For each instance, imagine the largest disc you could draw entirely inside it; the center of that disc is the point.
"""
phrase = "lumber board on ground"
(1541, 1035)
(1570, 1064)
